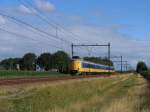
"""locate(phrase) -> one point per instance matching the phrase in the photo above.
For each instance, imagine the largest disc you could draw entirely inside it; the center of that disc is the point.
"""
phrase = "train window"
(92, 66)
(96, 66)
(85, 65)
(89, 65)
(75, 57)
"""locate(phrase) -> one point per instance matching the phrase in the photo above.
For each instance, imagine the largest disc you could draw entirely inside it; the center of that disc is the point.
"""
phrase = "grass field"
(14, 74)
(126, 93)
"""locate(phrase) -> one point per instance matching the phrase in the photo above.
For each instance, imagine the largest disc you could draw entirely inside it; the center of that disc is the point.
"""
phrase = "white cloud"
(25, 9)
(45, 5)
(132, 50)
(75, 18)
(119, 26)
(2, 20)
(16, 46)
(98, 13)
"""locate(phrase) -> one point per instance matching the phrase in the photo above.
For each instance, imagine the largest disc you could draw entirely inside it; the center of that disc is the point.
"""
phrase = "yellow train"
(79, 66)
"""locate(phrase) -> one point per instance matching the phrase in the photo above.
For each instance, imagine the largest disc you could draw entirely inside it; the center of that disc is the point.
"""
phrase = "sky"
(125, 24)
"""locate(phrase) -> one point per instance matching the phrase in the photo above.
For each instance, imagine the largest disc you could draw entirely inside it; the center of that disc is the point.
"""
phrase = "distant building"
(39, 69)
(18, 67)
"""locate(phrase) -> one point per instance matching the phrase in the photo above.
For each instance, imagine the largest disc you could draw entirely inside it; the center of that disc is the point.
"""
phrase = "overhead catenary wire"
(33, 31)
(35, 28)
(46, 19)
(20, 35)
(41, 17)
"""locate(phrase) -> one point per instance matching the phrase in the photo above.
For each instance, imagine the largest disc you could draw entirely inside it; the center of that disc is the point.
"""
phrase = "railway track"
(16, 81)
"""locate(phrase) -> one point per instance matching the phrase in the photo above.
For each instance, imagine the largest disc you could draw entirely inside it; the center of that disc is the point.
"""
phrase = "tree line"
(59, 61)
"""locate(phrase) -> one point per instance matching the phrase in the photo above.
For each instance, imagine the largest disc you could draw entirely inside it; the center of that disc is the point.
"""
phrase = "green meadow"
(14, 74)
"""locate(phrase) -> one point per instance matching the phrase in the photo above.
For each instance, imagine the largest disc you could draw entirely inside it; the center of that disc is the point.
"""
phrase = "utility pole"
(72, 50)
(109, 55)
(121, 64)
(125, 65)
(121, 61)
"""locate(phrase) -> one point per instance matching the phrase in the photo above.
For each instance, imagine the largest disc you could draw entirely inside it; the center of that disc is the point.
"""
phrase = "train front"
(75, 65)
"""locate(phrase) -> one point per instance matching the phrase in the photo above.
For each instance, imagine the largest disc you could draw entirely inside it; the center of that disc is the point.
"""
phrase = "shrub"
(141, 66)
(146, 74)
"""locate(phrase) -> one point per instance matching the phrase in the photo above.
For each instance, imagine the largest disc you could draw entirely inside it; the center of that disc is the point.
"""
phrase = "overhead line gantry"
(94, 45)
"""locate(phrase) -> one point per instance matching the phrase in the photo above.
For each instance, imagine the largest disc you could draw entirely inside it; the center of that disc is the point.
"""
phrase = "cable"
(19, 35)
(34, 31)
(46, 20)
(35, 28)
(36, 13)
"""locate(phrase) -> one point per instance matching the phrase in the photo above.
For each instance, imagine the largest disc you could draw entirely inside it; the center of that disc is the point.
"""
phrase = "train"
(82, 67)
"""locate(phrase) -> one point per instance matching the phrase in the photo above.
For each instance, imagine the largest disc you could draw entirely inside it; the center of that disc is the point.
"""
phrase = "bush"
(146, 74)
(141, 67)
(45, 61)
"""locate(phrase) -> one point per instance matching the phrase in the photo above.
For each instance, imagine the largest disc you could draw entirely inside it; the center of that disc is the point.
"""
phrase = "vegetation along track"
(111, 94)
(13, 81)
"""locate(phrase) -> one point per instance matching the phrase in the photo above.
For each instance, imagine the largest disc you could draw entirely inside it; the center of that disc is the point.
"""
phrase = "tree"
(10, 63)
(28, 61)
(141, 66)
(61, 61)
(7, 63)
(45, 61)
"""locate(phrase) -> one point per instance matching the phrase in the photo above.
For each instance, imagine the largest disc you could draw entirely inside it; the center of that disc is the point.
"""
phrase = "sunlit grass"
(111, 94)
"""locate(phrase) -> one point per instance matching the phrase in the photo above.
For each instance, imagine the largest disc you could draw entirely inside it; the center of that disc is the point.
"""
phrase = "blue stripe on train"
(95, 66)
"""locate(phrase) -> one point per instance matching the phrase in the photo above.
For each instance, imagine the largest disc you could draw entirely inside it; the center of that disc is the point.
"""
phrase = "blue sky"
(132, 13)
(124, 23)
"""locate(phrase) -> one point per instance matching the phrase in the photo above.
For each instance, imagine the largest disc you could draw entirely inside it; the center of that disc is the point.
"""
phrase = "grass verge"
(87, 95)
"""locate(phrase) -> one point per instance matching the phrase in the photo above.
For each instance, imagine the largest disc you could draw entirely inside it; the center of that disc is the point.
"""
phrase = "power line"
(20, 35)
(33, 31)
(46, 19)
(35, 28)
(41, 17)
(121, 61)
